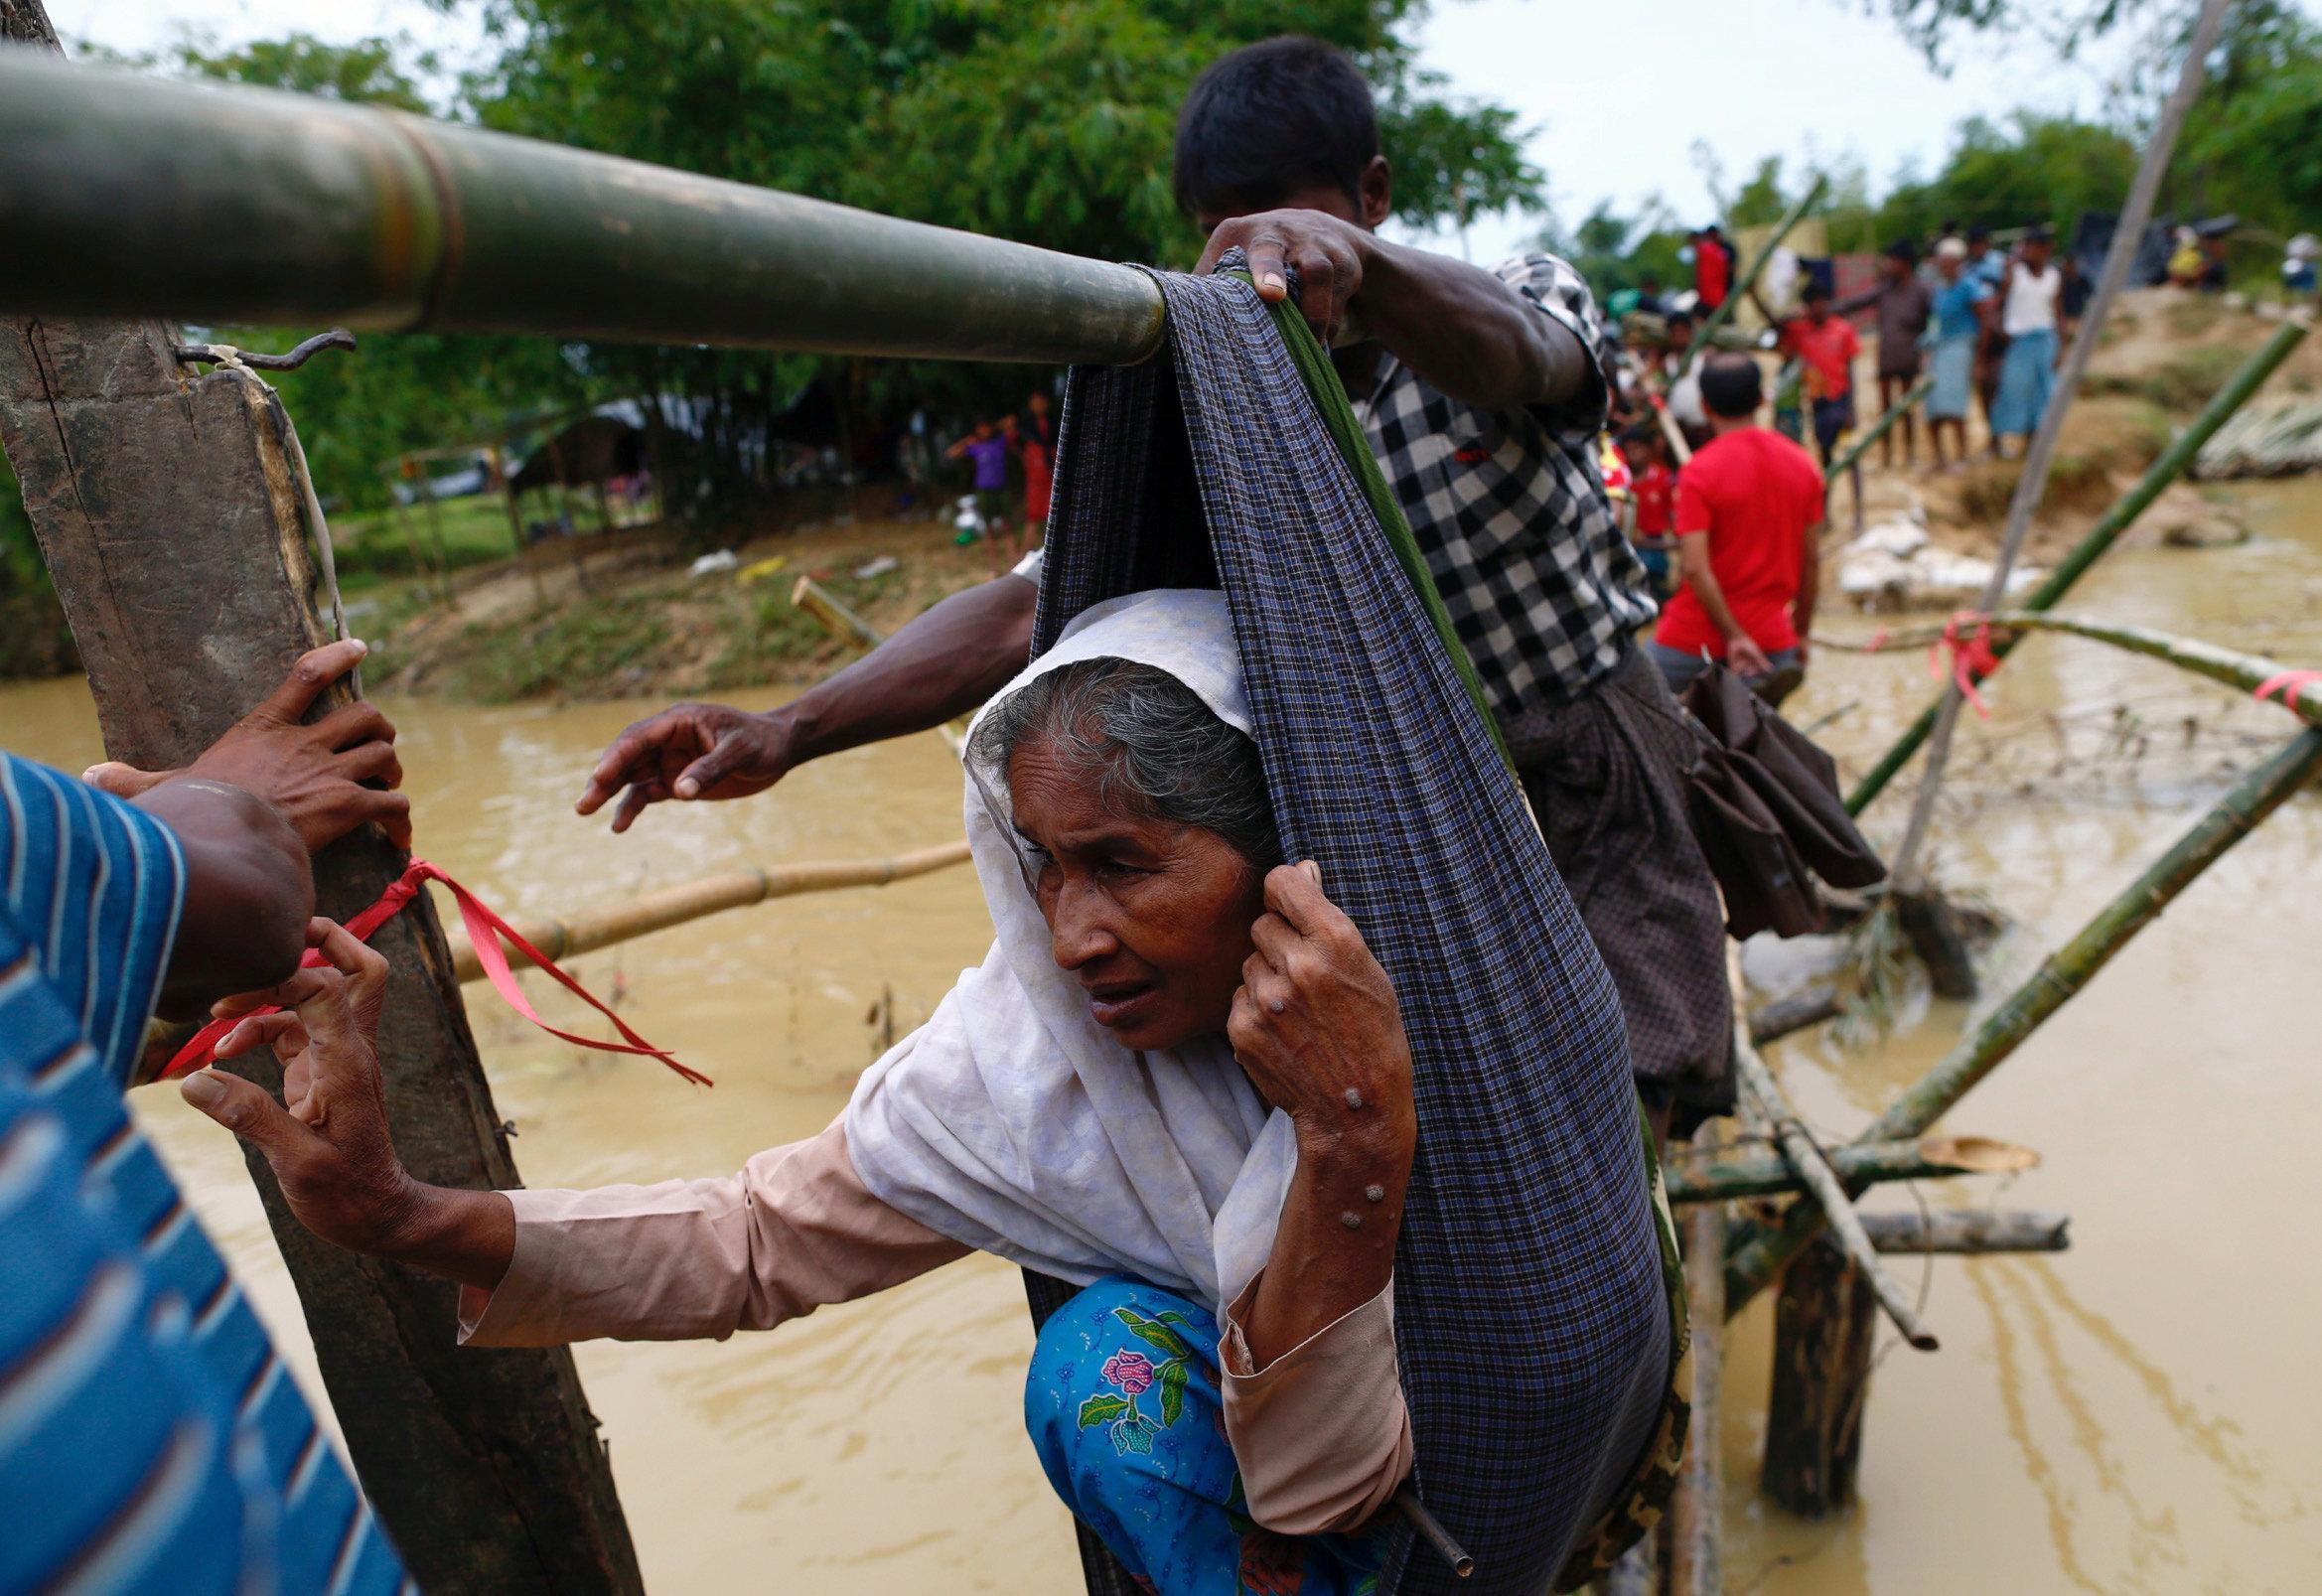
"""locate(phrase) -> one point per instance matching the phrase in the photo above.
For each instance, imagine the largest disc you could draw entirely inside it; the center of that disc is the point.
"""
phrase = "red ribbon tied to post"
(1971, 656)
(484, 930)
(2289, 684)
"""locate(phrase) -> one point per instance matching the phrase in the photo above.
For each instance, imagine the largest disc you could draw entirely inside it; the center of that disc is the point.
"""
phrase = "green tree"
(1048, 124)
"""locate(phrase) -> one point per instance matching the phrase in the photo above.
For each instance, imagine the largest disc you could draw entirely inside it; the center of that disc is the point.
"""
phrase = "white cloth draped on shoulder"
(1013, 1123)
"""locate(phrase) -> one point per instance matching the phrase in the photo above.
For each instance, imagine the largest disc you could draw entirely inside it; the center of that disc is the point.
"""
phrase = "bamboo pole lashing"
(1906, 870)
(585, 933)
(1830, 1193)
(2228, 668)
(1758, 1253)
(2100, 538)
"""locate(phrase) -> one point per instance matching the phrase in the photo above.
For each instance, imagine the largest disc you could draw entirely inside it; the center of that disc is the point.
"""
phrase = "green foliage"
(368, 72)
(537, 656)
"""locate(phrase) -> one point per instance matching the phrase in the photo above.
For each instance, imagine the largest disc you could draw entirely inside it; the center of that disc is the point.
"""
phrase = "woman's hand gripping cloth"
(1536, 1316)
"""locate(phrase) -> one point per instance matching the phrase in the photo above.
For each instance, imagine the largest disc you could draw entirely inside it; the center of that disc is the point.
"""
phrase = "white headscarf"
(1012, 1121)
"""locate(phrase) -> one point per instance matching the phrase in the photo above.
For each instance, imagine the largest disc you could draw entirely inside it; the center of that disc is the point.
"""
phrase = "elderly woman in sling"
(1179, 1081)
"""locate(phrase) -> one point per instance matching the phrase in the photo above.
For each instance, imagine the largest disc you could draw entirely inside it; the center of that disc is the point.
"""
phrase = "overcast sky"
(1614, 93)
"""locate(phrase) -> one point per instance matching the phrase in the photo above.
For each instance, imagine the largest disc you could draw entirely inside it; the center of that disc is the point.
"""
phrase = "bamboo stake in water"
(2102, 535)
(2128, 239)
(1759, 1253)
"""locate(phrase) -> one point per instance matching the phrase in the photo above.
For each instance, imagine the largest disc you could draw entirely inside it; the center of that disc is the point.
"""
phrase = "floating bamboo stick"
(1787, 1015)
(2102, 535)
(1970, 1231)
(736, 889)
(1750, 275)
(1759, 1252)
(1830, 1196)
(1735, 1175)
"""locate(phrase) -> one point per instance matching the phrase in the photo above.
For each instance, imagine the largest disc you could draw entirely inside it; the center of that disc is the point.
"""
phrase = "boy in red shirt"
(1827, 345)
(1653, 486)
(1749, 514)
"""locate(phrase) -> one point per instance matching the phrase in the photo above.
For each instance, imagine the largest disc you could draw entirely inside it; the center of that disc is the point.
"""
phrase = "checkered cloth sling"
(1533, 1281)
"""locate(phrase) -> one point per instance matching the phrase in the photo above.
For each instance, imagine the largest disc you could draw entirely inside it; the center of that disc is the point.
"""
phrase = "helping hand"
(1328, 254)
(313, 775)
(1315, 1024)
(690, 751)
(330, 1146)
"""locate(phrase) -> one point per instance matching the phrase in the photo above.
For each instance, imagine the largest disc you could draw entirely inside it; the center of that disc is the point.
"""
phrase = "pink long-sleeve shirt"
(1322, 1434)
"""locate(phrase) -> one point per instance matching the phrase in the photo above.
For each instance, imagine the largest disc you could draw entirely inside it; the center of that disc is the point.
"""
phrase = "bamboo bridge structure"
(126, 200)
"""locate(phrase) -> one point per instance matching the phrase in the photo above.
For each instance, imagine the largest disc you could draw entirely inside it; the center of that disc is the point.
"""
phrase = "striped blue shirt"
(150, 1438)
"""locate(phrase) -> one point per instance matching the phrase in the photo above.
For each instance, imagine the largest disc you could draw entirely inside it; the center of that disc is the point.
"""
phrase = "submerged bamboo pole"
(1971, 1230)
(131, 196)
(1759, 1252)
(1750, 275)
(734, 889)
(2102, 537)
(1830, 1196)
(1736, 1174)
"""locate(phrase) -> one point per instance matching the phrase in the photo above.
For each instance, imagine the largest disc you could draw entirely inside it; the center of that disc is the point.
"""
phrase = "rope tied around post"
(1971, 657)
(486, 930)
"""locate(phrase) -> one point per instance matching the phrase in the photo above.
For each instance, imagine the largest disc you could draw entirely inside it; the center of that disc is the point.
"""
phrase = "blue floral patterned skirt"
(1122, 1404)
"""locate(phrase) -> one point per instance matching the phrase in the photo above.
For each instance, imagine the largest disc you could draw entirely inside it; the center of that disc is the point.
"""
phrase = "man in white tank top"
(2028, 317)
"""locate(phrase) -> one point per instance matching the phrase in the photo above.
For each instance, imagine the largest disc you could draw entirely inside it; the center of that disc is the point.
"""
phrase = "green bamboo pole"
(2230, 667)
(1877, 430)
(1829, 1195)
(128, 196)
(1740, 1174)
(1759, 1252)
(2102, 535)
(1750, 275)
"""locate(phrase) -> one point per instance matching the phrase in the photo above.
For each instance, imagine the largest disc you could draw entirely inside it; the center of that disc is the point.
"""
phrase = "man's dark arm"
(248, 892)
(1465, 333)
(942, 665)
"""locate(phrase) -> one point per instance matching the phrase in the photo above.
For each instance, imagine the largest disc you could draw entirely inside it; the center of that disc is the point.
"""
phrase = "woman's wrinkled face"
(1151, 916)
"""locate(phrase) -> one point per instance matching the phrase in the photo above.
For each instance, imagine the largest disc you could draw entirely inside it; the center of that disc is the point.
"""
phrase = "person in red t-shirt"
(1749, 518)
(1827, 345)
(1712, 268)
(1653, 487)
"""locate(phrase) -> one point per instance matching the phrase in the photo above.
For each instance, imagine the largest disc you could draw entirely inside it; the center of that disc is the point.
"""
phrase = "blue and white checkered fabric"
(1531, 1312)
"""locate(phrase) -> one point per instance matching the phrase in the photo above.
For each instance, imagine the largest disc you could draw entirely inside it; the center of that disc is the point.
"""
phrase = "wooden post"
(172, 524)
(1822, 1330)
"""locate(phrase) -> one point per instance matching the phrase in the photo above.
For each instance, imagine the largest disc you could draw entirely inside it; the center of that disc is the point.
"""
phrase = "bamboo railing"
(126, 196)
(734, 889)
(2102, 535)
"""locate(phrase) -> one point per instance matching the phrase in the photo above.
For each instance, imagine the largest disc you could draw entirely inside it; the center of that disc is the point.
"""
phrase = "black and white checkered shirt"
(1509, 509)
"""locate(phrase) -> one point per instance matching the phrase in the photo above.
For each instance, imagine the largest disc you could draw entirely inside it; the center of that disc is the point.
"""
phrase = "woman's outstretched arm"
(794, 1230)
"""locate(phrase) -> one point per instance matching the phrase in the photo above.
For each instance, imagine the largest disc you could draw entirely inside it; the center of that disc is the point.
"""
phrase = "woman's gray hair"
(1148, 743)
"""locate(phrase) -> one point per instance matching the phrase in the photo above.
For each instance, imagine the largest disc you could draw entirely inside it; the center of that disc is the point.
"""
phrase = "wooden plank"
(1823, 1324)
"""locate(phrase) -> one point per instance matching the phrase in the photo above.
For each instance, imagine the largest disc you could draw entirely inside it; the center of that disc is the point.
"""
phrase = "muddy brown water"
(2134, 1414)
